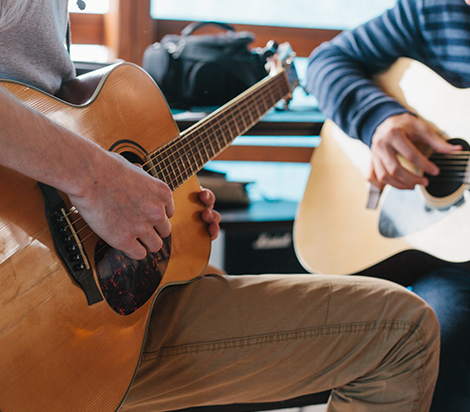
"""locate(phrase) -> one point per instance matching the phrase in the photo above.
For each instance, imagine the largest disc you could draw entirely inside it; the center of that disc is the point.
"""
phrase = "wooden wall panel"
(127, 29)
(87, 28)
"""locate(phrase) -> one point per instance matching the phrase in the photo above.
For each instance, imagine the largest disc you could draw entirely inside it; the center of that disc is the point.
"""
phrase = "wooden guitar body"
(74, 311)
(334, 232)
(52, 341)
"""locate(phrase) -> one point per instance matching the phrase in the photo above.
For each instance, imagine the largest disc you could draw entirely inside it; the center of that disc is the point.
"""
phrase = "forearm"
(341, 72)
(35, 146)
(347, 95)
(123, 204)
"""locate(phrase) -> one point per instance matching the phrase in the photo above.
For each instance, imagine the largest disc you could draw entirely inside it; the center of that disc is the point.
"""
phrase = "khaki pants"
(240, 339)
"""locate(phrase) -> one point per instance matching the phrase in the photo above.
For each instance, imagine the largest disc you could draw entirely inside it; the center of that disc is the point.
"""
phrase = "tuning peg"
(270, 49)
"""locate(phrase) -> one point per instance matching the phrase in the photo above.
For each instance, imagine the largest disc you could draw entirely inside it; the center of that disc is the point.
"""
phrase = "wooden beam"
(128, 29)
(250, 153)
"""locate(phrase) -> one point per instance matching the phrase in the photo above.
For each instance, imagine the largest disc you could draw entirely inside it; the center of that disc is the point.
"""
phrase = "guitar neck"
(184, 156)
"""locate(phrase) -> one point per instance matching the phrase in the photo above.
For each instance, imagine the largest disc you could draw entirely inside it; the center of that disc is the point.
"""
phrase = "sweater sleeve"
(340, 71)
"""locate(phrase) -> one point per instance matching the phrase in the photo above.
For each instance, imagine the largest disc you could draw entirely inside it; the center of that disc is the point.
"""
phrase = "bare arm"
(35, 146)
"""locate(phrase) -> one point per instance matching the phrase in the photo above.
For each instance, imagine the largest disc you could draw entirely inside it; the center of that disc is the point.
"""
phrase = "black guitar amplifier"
(259, 239)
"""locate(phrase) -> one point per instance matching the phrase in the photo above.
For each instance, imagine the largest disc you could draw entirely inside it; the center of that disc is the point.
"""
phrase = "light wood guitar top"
(334, 232)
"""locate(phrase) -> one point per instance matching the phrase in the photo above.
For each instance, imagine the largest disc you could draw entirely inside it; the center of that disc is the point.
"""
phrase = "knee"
(402, 305)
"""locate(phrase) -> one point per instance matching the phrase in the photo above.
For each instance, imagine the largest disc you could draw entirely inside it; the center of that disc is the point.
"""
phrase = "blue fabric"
(434, 32)
(448, 292)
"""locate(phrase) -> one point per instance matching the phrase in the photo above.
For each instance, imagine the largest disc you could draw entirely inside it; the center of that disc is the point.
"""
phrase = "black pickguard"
(127, 284)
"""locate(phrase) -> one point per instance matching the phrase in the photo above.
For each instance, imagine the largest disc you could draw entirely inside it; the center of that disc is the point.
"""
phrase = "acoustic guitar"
(74, 311)
(335, 230)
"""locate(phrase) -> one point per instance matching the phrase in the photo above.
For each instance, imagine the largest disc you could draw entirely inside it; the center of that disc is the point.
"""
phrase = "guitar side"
(57, 352)
(334, 232)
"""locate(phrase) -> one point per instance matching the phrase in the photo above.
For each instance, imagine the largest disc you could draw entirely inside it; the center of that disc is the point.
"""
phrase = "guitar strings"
(168, 151)
(245, 109)
(453, 166)
(162, 161)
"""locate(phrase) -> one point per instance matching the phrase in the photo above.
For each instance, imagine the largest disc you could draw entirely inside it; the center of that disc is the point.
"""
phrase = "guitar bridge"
(68, 244)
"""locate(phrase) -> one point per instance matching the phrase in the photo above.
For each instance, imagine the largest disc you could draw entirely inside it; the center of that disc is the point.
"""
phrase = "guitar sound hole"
(127, 284)
(452, 171)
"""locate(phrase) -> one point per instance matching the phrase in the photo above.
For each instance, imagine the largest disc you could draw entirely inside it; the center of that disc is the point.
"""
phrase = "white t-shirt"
(33, 51)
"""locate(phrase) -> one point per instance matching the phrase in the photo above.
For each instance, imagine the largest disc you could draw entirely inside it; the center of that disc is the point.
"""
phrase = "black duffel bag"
(205, 70)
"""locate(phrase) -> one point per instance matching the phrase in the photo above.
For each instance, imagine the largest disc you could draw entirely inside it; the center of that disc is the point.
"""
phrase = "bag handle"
(190, 28)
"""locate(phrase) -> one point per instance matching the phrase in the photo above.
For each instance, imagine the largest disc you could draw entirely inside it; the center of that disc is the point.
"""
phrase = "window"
(321, 14)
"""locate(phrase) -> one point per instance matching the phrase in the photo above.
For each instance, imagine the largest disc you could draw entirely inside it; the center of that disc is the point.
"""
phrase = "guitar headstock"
(283, 59)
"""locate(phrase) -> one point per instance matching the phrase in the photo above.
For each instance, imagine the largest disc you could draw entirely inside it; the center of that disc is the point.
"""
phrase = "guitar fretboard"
(184, 156)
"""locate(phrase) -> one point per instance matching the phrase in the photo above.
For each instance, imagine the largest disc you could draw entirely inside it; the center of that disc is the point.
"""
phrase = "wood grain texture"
(56, 352)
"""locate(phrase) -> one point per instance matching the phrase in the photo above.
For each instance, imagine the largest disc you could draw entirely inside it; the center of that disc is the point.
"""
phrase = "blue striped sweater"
(434, 32)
